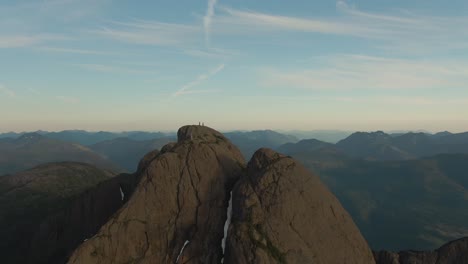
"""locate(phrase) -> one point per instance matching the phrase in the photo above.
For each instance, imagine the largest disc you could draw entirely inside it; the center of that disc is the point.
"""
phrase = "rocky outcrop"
(284, 214)
(178, 210)
(455, 252)
(146, 160)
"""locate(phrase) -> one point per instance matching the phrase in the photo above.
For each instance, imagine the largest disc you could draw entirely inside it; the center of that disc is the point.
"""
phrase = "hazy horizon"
(283, 131)
(236, 65)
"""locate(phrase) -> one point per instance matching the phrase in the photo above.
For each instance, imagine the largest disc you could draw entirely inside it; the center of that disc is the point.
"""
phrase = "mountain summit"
(283, 214)
(178, 209)
(179, 212)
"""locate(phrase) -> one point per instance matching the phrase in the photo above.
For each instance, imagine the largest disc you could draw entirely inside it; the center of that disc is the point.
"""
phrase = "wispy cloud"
(150, 32)
(201, 78)
(6, 91)
(113, 69)
(207, 20)
(74, 51)
(212, 53)
(399, 31)
(242, 22)
(18, 41)
(65, 10)
(67, 99)
(358, 72)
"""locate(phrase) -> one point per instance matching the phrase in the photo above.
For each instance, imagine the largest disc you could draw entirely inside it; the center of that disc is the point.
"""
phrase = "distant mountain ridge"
(128, 152)
(402, 204)
(89, 138)
(250, 141)
(32, 149)
(382, 146)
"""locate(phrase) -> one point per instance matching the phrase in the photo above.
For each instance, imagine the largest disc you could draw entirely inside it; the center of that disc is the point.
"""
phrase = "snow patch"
(226, 225)
(182, 251)
(122, 195)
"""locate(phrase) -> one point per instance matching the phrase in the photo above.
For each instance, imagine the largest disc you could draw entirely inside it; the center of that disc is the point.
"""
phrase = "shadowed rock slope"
(178, 209)
(284, 214)
(455, 252)
(46, 212)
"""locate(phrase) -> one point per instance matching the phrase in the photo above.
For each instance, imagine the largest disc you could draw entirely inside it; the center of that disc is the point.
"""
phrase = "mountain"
(32, 149)
(89, 138)
(459, 138)
(39, 209)
(373, 146)
(81, 137)
(303, 146)
(281, 213)
(381, 146)
(10, 135)
(418, 204)
(330, 136)
(249, 142)
(454, 252)
(180, 211)
(179, 205)
(127, 152)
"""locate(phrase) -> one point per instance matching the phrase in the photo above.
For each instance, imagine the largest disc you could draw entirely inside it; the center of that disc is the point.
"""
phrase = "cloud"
(201, 78)
(18, 41)
(238, 21)
(113, 69)
(358, 72)
(67, 99)
(207, 20)
(7, 91)
(402, 32)
(211, 53)
(150, 32)
(74, 51)
(64, 10)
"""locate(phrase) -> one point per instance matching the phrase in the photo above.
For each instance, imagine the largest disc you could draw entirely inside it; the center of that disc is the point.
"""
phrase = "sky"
(234, 64)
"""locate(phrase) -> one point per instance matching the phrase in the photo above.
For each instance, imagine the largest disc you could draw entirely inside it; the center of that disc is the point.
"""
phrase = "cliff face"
(178, 210)
(455, 252)
(284, 214)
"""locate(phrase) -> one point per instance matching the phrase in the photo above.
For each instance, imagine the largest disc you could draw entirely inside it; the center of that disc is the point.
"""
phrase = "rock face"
(146, 160)
(455, 252)
(178, 210)
(284, 214)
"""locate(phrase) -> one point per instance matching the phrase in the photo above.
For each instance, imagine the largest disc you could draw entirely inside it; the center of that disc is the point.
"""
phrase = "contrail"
(207, 19)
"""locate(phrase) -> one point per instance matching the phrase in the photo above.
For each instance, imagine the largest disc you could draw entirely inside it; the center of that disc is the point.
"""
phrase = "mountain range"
(401, 193)
(197, 201)
(32, 149)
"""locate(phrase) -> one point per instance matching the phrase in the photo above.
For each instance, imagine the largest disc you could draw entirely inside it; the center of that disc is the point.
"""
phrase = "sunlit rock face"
(283, 214)
(182, 196)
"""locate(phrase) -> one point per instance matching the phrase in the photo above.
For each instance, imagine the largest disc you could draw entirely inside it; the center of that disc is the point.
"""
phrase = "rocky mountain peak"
(283, 214)
(202, 133)
(263, 158)
(179, 212)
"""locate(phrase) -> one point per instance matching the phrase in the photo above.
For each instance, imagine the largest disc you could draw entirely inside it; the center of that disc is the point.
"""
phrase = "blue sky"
(157, 65)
